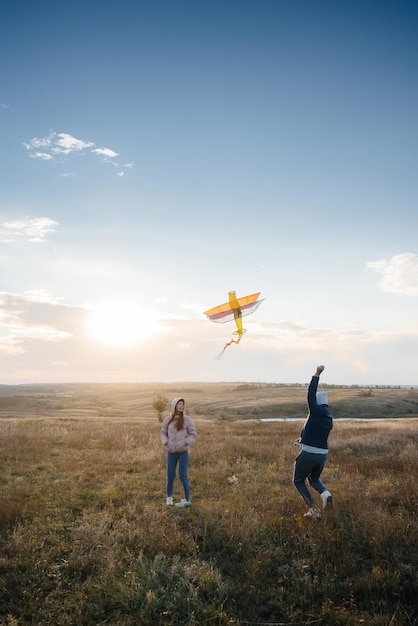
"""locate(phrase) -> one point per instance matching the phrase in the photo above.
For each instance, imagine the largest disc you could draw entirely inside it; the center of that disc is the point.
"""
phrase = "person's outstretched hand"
(319, 370)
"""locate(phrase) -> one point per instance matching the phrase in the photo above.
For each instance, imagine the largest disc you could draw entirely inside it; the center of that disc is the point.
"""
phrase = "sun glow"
(121, 324)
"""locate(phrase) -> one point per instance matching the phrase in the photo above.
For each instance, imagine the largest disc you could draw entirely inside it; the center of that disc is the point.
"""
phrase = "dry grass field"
(86, 538)
(204, 400)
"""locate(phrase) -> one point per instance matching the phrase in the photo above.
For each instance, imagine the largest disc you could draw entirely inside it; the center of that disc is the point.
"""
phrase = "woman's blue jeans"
(309, 466)
(182, 459)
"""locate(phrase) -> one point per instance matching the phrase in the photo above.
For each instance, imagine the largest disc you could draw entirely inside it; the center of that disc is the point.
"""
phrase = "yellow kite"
(234, 309)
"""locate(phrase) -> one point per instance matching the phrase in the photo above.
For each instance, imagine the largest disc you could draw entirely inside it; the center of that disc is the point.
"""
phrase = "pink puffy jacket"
(177, 441)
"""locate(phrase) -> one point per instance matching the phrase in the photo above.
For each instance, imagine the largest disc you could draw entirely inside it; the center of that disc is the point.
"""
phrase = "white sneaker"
(169, 501)
(313, 513)
(326, 498)
(183, 502)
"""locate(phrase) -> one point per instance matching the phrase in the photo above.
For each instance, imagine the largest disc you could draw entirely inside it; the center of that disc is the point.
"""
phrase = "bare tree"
(159, 404)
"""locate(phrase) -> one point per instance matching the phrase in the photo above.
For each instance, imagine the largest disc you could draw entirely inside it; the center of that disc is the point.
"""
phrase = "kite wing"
(234, 309)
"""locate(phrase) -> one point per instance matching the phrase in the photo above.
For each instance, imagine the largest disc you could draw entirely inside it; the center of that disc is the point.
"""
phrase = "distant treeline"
(330, 386)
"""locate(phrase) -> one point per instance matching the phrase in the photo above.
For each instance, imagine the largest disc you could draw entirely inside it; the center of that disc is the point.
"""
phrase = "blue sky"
(157, 155)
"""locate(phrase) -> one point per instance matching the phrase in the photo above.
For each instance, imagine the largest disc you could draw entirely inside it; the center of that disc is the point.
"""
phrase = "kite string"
(220, 355)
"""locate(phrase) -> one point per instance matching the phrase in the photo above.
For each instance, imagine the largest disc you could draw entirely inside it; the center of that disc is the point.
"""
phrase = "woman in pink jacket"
(177, 434)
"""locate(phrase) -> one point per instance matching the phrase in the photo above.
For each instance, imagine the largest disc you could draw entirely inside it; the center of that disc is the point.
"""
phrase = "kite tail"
(220, 355)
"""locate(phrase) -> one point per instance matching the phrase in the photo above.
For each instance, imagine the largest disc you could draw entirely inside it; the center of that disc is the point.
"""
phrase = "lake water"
(339, 419)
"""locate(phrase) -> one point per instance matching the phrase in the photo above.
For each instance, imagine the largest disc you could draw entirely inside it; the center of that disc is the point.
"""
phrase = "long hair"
(180, 421)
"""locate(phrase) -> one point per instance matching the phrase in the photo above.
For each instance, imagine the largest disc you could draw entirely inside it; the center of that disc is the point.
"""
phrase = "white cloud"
(44, 142)
(400, 273)
(16, 341)
(65, 144)
(10, 346)
(40, 155)
(57, 145)
(35, 316)
(41, 295)
(34, 229)
(45, 333)
(36, 330)
(106, 152)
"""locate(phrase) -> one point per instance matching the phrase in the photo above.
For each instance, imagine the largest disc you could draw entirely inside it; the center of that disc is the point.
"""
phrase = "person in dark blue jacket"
(313, 443)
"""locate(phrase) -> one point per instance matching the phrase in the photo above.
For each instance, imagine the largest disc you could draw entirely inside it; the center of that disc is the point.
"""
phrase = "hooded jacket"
(177, 441)
(319, 422)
